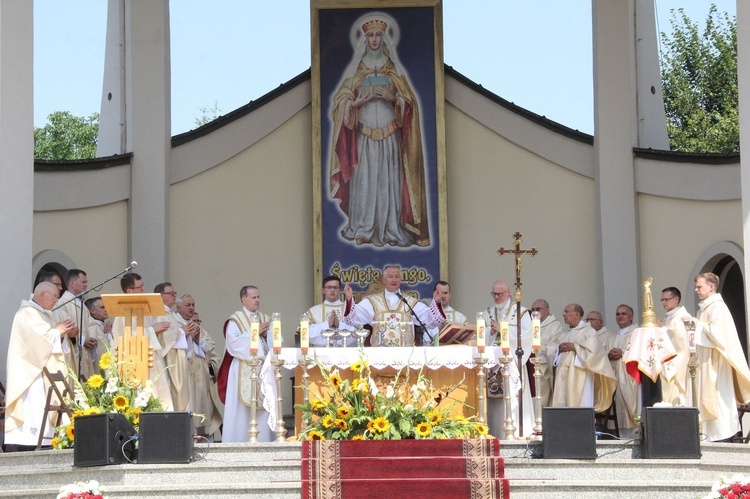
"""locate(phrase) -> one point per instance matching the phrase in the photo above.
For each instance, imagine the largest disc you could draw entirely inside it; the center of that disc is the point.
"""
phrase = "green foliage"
(699, 79)
(67, 137)
(208, 114)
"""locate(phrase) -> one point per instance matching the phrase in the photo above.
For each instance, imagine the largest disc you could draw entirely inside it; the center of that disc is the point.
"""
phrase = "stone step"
(611, 489)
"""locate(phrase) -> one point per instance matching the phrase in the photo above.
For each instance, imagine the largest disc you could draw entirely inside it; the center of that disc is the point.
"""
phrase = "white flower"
(111, 386)
(389, 391)
(92, 487)
(408, 407)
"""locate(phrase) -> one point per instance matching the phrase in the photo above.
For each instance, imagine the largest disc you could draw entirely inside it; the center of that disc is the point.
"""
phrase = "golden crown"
(375, 24)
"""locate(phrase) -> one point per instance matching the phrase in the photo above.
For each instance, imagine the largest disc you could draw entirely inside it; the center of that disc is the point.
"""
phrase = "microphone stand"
(421, 328)
(80, 318)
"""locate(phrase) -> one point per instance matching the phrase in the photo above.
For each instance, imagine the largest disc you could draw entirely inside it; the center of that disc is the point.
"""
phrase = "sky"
(226, 53)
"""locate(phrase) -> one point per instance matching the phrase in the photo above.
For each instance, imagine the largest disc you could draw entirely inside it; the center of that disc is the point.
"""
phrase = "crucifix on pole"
(518, 253)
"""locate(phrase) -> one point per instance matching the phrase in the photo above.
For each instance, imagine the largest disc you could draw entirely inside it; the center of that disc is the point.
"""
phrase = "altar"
(451, 369)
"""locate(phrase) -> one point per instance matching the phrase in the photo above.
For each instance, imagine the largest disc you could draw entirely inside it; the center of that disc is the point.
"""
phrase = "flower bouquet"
(734, 487)
(80, 490)
(105, 393)
(357, 410)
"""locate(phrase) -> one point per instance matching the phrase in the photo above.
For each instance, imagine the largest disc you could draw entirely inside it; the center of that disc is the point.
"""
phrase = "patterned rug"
(416, 469)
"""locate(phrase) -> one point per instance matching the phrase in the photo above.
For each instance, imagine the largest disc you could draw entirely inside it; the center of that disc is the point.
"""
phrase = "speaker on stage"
(102, 439)
(670, 433)
(568, 433)
(165, 437)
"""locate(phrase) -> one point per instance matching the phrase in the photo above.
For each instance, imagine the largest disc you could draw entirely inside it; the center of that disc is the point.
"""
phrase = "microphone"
(133, 265)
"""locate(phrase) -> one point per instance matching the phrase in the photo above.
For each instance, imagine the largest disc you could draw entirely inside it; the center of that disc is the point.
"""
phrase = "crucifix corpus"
(517, 252)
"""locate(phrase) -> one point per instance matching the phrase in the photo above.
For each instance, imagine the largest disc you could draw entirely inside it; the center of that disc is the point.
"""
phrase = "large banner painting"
(378, 140)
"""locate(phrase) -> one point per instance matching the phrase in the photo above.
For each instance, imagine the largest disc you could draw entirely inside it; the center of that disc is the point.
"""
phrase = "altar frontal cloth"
(333, 469)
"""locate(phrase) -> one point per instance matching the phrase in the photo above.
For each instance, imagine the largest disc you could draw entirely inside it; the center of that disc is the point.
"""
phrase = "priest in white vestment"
(505, 309)
(202, 357)
(627, 396)
(34, 344)
(723, 371)
(71, 307)
(452, 316)
(388, 310)
(597, 322)
(234, 375)
(174, 347)
(551, 336)
(674, 378)
(329, 314)
(583, 376)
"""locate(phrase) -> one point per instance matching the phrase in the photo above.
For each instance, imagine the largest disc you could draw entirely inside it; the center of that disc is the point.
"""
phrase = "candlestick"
(276, 328)
(481, 326)
(254, 334)
(536, 336)
(304, 333)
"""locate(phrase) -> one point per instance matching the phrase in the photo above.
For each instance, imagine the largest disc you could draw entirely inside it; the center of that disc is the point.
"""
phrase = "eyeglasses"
(331, 287)
(172, 293)
(198, 321)
(498, 295)
(592, 319)
(538, 309)
(670, 298)
(141, 287)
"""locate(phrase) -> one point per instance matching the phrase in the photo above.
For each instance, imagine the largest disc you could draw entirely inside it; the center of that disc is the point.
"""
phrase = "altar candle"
(504, 340)
(481, 340)
(254, 334)
(304, 334)
(536, 336)
(276, 328)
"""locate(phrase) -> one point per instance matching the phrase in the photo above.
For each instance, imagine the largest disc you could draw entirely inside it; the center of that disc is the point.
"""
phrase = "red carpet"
(416, 469)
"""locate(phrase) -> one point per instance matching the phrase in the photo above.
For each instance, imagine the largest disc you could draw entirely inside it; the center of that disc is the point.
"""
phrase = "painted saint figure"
(377, 164)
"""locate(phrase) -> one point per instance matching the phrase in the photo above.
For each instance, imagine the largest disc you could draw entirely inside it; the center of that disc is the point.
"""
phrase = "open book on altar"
(456, 334)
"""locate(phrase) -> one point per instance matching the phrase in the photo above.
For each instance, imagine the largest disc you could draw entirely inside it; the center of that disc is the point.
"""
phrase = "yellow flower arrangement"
(356, 409)
(105, 393)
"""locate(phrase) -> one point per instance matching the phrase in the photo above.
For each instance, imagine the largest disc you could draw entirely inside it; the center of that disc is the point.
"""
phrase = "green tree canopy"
(699, 80)
(67, 137)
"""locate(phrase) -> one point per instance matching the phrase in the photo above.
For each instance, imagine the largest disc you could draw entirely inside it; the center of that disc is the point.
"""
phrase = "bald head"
(46, 295)
(595, 319)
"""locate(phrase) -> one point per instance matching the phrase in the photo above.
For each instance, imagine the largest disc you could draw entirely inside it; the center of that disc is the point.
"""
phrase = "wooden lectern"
(134, 354)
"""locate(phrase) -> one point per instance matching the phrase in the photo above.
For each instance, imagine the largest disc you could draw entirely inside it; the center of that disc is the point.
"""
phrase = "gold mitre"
(374, 25)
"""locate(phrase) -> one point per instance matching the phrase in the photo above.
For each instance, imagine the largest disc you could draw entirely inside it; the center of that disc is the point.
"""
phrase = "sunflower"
(359, 385)
(341, 424)
(95, 381)
(482, 429)
(92, 410)
(358, 437)
(380, 425)
(315, 435)
(70, 432)
(335, 380)
(369, 425)
(78, 412)
(121, 402)
(344, 411)
(106, 361)
(424, 429)
(434, 417)
(55, 442)
(359, 365)
(327, 421)
(318, 406)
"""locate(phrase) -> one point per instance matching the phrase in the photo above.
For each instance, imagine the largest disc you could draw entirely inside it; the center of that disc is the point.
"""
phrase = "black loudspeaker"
(165, 437)
(102, 439)
(568, 433)
(670, 433)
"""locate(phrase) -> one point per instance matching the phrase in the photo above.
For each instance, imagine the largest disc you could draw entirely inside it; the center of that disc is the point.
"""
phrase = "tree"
(699, 80)
(67, 137)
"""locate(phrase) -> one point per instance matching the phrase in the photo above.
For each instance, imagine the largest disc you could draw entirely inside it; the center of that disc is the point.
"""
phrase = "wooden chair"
(59, 406)
(742, 437)
(603, 419)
